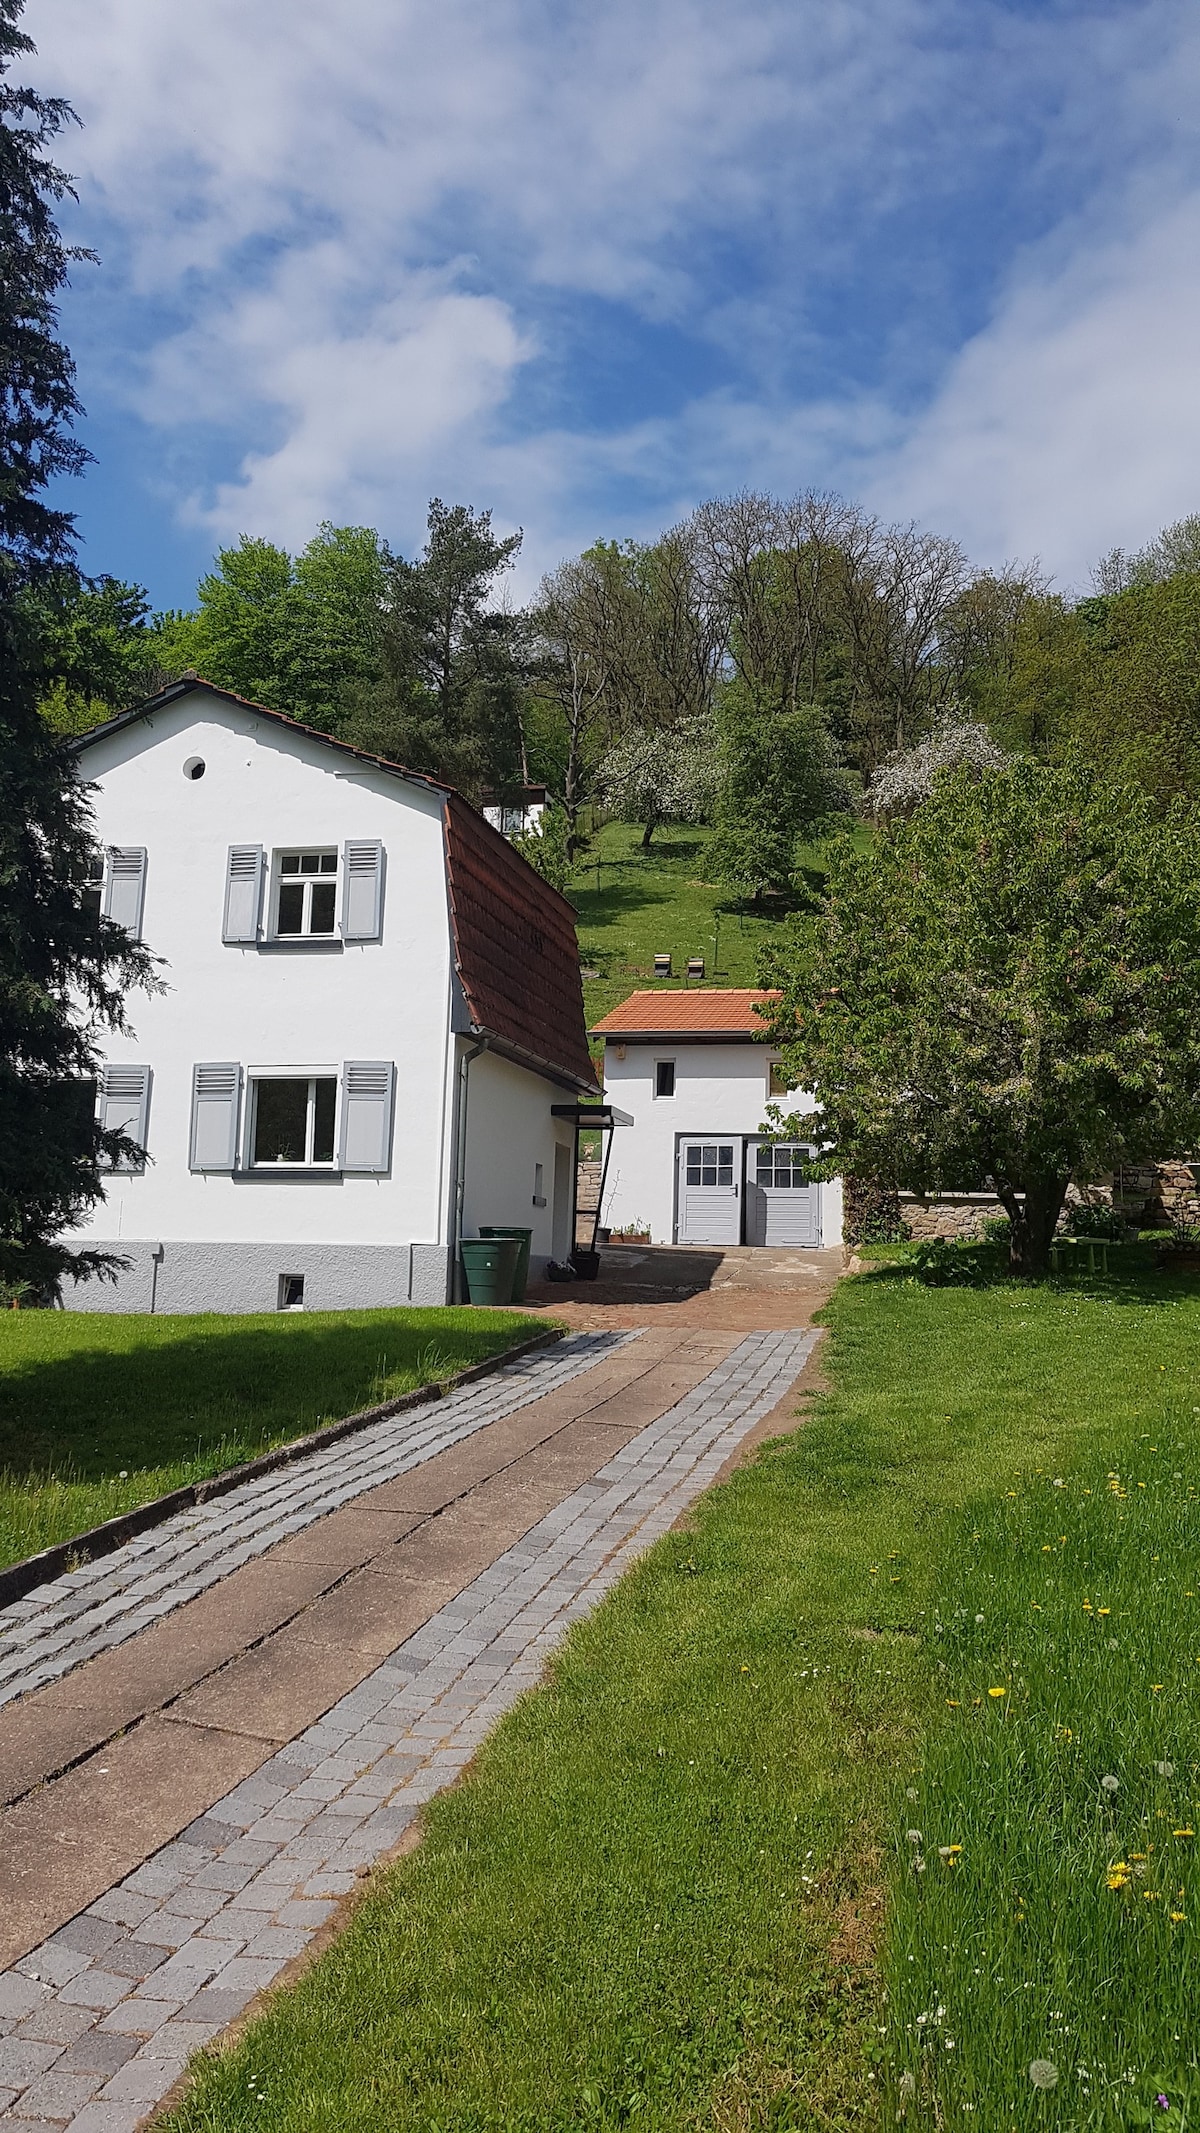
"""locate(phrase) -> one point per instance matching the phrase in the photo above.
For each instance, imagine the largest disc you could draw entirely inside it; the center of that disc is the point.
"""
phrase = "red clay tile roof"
(514, 936)
(515, 948)
(686, 1013)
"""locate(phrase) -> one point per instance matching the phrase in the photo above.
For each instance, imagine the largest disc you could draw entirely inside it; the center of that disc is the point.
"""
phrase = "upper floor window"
(305, 894)
(664, 1077)
(777, 1078)
(308, 893)
(116, 886)
(93, 888)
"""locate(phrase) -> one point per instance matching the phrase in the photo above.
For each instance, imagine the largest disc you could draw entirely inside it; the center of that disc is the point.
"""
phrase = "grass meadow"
(867, 1801)
(635, 904)
(99, 1414)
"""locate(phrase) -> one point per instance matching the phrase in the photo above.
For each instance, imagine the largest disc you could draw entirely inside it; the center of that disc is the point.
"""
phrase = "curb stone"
(20, 1578)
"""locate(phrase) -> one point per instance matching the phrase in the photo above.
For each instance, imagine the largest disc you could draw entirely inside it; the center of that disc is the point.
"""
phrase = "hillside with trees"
(754, 671)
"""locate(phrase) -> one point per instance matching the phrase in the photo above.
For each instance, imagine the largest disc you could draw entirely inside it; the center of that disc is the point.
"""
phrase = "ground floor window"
(782, 1165)
(294, 1121)
(710, 1163)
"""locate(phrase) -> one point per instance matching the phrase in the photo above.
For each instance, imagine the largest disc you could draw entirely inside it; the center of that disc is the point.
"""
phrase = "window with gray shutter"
(216, 1094)
(124, 1108)
(362, 891)
(366, 1114)
(243, 892)
(125, 888)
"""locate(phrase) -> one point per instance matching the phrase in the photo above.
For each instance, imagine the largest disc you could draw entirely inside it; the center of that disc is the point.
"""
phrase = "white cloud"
(338, 241)
(1071, 424)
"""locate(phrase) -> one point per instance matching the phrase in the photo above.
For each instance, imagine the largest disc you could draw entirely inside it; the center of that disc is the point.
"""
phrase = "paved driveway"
(210, 1735)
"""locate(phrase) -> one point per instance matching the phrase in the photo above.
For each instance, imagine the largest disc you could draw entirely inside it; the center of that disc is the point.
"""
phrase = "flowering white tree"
(906, 778)
(665, 774)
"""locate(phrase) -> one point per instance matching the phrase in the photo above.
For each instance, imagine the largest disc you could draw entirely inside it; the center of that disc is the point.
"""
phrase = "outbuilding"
(692, 1070)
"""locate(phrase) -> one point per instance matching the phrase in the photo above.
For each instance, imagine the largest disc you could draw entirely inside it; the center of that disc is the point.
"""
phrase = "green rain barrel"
(525, 1239)
(490, 1264)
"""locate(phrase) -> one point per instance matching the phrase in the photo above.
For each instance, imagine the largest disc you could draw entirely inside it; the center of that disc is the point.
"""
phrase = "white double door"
(732, 1191)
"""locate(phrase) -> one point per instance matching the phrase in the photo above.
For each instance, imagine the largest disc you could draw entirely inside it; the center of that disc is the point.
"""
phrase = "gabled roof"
(513, 935)
(708, 1017)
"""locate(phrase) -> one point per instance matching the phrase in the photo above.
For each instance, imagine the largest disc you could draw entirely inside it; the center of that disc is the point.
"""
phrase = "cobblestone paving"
(97, 2023)
(102, 1603)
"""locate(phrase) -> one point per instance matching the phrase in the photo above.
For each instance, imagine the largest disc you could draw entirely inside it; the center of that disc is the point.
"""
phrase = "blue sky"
(588, 265)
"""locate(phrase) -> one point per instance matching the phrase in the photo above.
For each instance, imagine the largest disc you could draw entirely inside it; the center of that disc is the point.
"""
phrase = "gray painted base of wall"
(246, 1277)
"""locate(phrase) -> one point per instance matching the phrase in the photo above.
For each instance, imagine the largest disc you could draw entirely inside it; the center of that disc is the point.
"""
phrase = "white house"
(516, 810)
(693, 1072)
(372, 1007)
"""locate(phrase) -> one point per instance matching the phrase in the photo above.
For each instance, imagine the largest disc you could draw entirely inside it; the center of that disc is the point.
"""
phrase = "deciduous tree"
(1003, 992)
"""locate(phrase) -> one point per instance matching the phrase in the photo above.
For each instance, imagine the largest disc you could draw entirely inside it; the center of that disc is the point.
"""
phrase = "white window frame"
(255, 1076)
(660, 1096)
(96, 884)
(330, 876)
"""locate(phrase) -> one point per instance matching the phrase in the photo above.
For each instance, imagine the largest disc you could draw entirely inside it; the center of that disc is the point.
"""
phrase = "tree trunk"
(1033, 1219)
(647, 834)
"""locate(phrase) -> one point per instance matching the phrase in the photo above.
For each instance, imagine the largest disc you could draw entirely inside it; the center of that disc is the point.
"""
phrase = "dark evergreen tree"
(450, 692)
(63, 972)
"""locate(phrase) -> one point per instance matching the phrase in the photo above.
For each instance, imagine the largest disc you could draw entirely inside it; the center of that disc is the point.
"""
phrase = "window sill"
(278, 1172)
(324, 943)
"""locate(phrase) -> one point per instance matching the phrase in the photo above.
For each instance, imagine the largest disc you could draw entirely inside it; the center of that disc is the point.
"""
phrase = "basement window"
(291, 1292)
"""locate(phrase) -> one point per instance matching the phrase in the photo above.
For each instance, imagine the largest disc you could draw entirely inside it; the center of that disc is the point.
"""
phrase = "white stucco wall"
(309, 1006)
(719, 1089)
(510, 1131)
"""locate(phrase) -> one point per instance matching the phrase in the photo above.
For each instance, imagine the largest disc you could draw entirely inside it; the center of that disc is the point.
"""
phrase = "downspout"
(460, 1163)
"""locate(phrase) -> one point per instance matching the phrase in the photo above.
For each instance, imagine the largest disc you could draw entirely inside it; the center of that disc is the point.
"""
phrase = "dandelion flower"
(911, 1793)
(1110, 1783)
(1178, 1917)
(1183, 1832)
(1043, 2073)
(907, 2086)
(997, 1692)
(913, 1835)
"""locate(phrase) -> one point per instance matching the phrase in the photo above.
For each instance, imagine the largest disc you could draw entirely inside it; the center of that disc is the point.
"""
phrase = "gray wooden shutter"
(124, 1106)
(216, 1090)
(362, 890)
(366, 1114)
(125, 889)
(243, 892)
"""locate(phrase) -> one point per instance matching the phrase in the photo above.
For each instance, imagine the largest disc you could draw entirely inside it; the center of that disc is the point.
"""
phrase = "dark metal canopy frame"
(590, 1118)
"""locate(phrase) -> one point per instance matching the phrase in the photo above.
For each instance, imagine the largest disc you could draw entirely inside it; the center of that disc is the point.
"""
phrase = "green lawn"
(677, 1890)
(634, 905)
(100, 1413)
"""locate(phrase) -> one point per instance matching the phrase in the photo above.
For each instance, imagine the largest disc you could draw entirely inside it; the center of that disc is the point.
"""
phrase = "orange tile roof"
(686, 1013)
